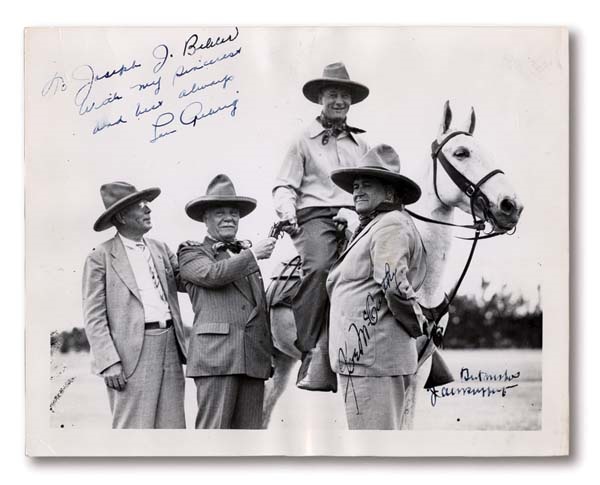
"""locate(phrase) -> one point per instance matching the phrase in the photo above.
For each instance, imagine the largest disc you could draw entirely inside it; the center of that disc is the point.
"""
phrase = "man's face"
(222, 222)
(135, 219)
(368, 193)
(336, 102)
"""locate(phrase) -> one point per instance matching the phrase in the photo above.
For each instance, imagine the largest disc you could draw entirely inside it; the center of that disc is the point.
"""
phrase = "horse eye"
(462, 153)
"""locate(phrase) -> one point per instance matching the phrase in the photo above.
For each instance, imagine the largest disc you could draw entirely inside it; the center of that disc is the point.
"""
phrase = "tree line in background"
(487, 320)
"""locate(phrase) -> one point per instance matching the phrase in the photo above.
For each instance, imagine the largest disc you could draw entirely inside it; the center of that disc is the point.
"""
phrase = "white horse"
(490, 198)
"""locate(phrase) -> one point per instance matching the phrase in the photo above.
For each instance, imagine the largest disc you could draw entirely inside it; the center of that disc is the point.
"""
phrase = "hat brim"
(408, 190)
(312, 89)
(196, 208)
(105, 220)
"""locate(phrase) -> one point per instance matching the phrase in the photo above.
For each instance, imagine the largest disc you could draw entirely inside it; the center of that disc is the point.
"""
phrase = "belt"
(157, 325)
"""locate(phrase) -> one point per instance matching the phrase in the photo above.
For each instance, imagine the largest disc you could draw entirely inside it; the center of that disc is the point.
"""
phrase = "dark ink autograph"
(467, 375)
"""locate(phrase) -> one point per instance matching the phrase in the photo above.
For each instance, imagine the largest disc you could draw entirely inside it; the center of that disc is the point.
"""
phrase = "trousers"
(317, 245)
(154, 394)
(229, 402)
(373, 402)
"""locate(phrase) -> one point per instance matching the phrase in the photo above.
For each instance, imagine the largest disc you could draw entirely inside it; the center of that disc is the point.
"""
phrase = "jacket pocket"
(212, 328)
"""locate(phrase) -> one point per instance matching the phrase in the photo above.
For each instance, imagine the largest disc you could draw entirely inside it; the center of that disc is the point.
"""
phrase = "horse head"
(464, 176)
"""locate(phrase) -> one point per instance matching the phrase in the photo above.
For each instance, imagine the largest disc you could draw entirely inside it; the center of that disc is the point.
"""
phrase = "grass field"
(84, 404)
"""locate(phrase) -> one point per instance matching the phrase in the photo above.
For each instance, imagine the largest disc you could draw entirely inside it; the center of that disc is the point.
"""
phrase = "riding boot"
(315, 372)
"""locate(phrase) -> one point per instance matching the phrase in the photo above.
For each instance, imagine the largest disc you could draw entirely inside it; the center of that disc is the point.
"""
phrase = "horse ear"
(446, 118)
(472, 123)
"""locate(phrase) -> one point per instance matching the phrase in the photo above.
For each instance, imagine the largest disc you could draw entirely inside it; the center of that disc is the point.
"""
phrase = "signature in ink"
(102, 125)
(192, 46)
(194, 112)
(162, 120)
(482, 391)
(196, 88)
(182, 71)
(53, 85)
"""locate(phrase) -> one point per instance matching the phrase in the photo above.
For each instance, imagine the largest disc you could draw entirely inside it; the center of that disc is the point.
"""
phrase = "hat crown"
(115, 191)
(221, 186)
(337, 70)
(382, 157)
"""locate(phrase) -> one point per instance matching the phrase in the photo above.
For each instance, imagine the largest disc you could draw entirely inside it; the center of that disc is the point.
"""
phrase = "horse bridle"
(476, 196)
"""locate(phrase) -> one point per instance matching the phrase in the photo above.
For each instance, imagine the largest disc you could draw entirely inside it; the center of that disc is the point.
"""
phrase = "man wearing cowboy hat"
(131, 314)
(375, 316)
(229, 353)
(305, 197)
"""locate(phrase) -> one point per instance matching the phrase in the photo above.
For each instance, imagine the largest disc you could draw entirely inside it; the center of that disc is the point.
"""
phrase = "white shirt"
(156, 309)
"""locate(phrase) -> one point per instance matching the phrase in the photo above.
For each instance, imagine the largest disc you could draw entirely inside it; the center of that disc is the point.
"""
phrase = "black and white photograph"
(334, 239)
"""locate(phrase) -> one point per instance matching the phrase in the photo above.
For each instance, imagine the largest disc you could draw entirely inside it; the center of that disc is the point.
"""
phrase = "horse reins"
(476, 196)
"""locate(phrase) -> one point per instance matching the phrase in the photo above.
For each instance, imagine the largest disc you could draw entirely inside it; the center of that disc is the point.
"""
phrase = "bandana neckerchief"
(363, 220)
(333, 128)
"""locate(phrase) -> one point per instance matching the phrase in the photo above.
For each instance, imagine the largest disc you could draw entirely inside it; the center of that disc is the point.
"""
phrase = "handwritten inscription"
(494, 385)
(134, 92)
(359, 332)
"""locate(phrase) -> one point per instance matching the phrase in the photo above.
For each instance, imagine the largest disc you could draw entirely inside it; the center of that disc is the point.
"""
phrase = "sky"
(251, 79)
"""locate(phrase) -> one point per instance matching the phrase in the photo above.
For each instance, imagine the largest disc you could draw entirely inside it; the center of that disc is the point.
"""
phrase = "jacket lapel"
(120, 263)
(221, 255)
(362, 234)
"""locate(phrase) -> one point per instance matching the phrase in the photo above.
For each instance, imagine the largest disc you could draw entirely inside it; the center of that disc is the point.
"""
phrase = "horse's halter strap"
(471, 190)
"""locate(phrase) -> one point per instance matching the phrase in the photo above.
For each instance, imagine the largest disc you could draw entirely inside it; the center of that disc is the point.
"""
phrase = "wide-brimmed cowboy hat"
(116, 197)
(383, 163)
(220, 192)
(335, 75)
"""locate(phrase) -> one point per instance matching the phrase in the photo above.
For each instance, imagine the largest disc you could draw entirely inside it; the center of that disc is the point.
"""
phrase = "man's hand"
(348, 218)
(291, 227)
(263, 249)
(114, 377)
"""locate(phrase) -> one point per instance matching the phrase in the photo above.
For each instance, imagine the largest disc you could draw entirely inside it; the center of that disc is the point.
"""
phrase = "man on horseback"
(375, 317)
(305, 197)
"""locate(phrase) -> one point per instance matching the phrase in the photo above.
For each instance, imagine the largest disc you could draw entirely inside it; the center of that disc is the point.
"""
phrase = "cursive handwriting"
(192, 46)
(101, 125)
(119, 71)
(182, 71)
(57, 82)
(139, 111)
(483, 376)
(144, 86)
(194, 112)
(163, 119)
(84, 92)
(482, 391)
(199, 87)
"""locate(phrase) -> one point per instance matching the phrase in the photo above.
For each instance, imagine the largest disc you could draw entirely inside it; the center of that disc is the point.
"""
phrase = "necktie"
(233, 246)
(153, 274)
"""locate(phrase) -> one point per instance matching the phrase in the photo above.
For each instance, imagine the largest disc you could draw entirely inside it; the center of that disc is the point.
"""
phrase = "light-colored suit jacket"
(374, 316)
(231, 333)
(112, 306)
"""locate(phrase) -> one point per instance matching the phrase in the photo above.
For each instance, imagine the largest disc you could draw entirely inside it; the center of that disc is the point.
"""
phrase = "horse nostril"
(507, 206)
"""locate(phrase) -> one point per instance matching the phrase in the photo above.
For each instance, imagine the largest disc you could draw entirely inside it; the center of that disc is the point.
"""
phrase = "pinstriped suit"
(231, 335)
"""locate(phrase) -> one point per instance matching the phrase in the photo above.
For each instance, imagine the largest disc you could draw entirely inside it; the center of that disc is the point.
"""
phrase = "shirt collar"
(315, 129)
(130, 243)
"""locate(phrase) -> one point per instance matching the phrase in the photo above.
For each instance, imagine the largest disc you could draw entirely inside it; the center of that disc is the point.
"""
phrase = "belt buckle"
(162, 324)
